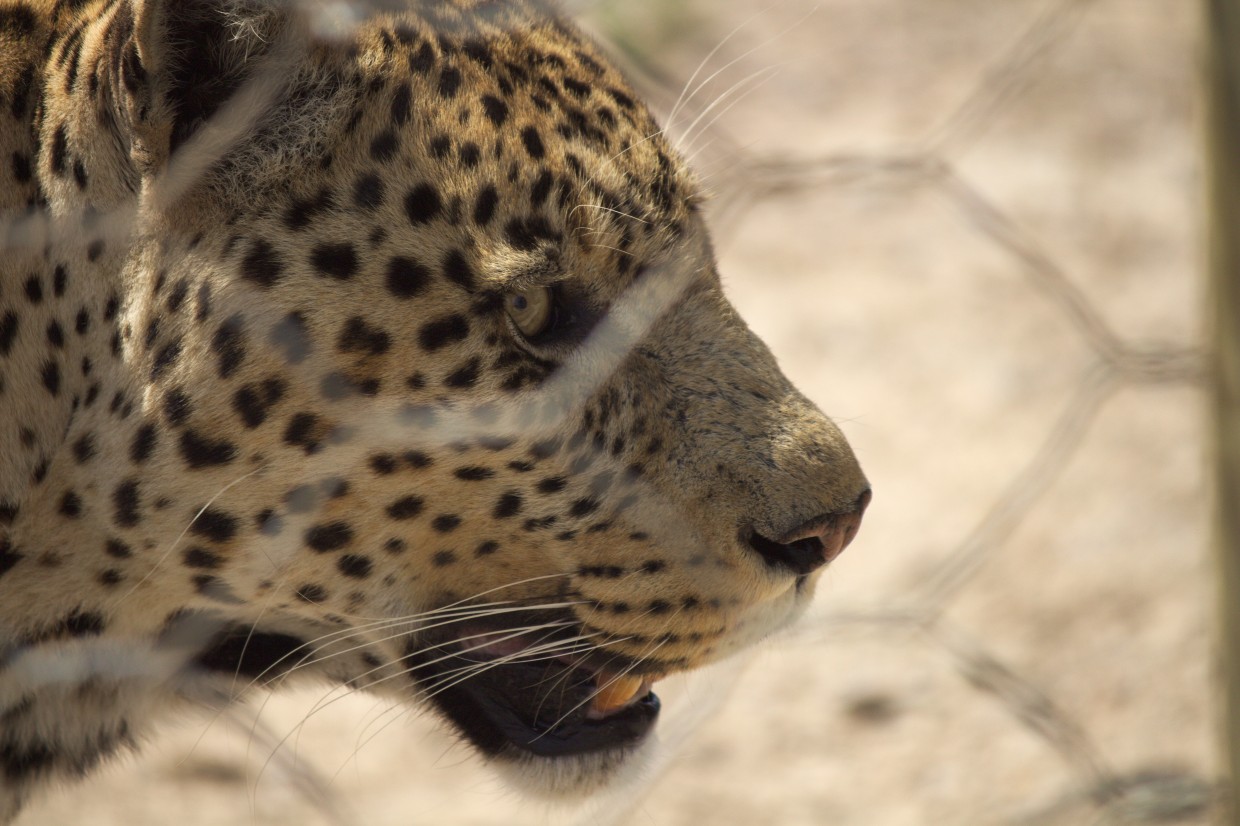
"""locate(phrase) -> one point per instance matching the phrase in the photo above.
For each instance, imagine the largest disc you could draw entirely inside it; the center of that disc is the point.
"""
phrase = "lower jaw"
(569, 779)
(531, 711)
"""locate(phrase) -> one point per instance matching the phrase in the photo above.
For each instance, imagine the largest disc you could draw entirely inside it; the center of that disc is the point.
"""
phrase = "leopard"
(381, 345)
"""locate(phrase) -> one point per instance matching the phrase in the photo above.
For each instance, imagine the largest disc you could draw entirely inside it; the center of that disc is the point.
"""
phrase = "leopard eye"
(531, 310)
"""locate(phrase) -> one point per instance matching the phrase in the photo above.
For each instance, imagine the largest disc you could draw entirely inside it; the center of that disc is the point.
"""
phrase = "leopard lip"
(506, 697)
(614, 691)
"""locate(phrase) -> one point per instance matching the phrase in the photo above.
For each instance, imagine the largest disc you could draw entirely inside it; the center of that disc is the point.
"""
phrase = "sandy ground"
(989, 276)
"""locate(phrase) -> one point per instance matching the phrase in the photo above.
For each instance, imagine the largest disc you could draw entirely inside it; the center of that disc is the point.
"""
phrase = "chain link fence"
(967, 229)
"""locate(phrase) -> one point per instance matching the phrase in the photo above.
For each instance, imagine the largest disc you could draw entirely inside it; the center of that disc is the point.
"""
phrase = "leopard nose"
(814, 543)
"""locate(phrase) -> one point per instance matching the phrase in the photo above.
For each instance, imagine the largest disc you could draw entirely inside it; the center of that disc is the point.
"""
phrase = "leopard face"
(394, 354)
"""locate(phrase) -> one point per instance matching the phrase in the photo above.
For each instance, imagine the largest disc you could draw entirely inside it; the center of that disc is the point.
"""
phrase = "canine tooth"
(615, 692)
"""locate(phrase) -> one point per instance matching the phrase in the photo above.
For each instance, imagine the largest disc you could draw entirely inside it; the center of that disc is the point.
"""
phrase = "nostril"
(813, 544)
(800, 557)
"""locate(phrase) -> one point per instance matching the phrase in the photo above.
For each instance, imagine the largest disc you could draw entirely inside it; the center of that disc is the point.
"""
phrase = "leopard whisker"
(685, 94)
(754, 81)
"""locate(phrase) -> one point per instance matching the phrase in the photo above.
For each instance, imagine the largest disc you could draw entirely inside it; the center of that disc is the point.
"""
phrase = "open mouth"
(506, 690)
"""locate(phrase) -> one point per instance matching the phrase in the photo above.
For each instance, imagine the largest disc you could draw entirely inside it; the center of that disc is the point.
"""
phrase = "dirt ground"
(970, 232)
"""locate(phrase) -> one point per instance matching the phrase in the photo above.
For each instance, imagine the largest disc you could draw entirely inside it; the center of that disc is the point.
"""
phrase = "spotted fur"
(259, 392)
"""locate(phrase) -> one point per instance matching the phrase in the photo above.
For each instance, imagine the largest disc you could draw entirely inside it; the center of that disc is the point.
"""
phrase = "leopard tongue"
(617, 691)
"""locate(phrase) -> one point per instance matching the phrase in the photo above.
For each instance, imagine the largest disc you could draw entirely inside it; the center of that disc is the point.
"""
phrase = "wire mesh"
(932, 605)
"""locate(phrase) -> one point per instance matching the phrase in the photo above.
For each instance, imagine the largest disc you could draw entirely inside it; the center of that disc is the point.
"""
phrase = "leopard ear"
(183, 61)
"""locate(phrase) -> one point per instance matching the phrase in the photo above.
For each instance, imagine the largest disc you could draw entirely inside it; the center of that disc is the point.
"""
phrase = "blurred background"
(970, 230)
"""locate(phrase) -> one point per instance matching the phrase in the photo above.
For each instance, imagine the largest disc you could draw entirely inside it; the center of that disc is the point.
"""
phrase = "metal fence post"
(1223, 176)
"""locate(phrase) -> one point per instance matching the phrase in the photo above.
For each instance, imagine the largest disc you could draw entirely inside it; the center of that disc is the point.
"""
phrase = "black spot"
(125, 502)
(422, 204)
(55, 335)
(117, 549)
(335, 260)
(653, 566)
(621, 98)
(471, 155)
(508, 505)
(203, 312)
(143, 443)
(405, 508)
(496, 110)
(8, 332)
(94, 249)
(60, 148)
(110, 578)
(449, 81)
(51, 377)
(402, 103)
(177, 406)
(201, 451)
(229, 346)
(165, 358)
(60, 279)
(441, 146)
(457, 269)
(81, 624)
(20, 165)
(304, 210)
(443, 558)
(368, 191)
(582, 507)
(533, 143)
(329, 537)
(355, 566)
(539, 523)
(302, 432)
(215, 525)
(423, 59)
(262, 265)
(416, 459)
(526, 233)
(312, 593)
(576, 87)
(253, 402)
(358, 336)
(84, 448)
(196, 557)
(79, 174)
(34, 289)
(464, 377)
(553, 485)
(384, 146)
(177, 296)
(383, 463)
(437, 334)
(446, 522)
(152, 332)
(71, 505)
(406, 277)
(486, 548)
(473, 474)
(484, 205)
(541, 189)
(8, 556)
